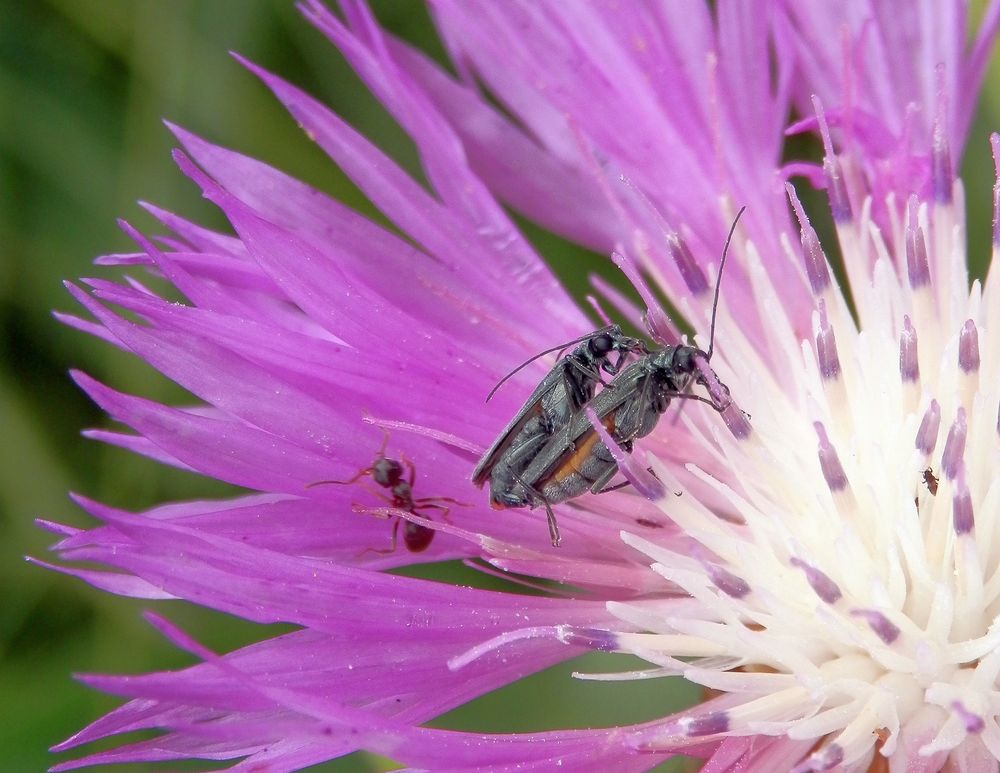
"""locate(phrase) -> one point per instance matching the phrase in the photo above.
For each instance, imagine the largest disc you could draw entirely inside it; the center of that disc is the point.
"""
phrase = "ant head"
(387, 472)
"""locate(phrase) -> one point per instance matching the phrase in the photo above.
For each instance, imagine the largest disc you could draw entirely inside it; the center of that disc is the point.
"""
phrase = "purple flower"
(828, 573)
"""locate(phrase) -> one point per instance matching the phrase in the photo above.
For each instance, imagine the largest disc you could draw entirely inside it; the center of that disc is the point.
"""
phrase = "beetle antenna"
(558, 348)
(718, 280)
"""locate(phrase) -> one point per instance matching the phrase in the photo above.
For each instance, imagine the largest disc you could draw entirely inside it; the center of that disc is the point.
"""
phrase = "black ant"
(388, 473)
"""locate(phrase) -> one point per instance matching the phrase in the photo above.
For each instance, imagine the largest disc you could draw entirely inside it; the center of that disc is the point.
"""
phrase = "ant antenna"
(558, 348)
(718, 280)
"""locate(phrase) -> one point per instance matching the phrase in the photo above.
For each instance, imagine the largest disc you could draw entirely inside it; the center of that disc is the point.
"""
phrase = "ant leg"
(385, 444)
(444, 510)
(411, 467)
(449, 500)
(392, 546)
(395, 533)
(380, 495)
(358, 475)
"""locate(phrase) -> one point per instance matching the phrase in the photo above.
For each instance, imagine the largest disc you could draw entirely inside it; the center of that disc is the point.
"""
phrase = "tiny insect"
(930, 480)
(389, 473)
(561, 394)
(575, 459)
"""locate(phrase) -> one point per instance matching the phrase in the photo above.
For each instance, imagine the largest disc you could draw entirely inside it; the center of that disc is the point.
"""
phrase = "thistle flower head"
(820, 553)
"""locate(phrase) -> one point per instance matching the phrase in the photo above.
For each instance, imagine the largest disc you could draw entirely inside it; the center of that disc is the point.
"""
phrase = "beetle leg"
(699, 398)
(623, 484)
(553, 526)
(617, 366)
(577, 395)
(597, 487)
(615, 487)
(535, 497)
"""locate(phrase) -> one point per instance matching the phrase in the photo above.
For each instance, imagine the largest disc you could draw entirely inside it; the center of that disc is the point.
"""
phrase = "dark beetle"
(562, 393)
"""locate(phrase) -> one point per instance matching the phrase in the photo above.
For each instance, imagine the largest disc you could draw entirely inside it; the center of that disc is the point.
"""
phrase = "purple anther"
(879, 623)
(821, 584)
(836, 187)
(909, 366)
(826, 347)
(917, 268)
(968, 347)
(962, 516)
(727, 582)
(954, 446)
(660, 328)
(822, 760)
(995, 145)
(974, 723)
(941, 168)
(591, 638)
(707, 724)
(929, 427)
(836, 479)
(691, 272)
(840, 203)
(817, 267)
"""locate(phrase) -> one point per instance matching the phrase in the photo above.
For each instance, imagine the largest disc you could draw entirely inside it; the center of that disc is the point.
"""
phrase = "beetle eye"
(601, 344)
(684, 359)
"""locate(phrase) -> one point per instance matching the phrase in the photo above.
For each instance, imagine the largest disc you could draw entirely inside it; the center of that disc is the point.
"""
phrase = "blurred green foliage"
(84, 85)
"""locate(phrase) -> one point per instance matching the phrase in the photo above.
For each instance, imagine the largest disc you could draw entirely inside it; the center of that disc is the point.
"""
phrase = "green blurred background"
(83, 87)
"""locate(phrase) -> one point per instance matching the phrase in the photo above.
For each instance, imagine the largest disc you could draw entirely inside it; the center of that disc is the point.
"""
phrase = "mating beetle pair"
(551, 452)
(557, 400)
